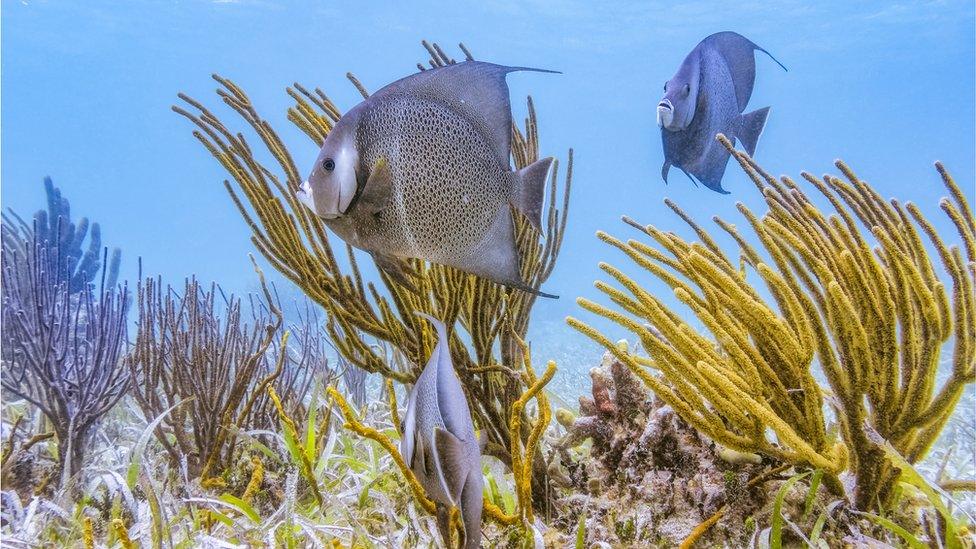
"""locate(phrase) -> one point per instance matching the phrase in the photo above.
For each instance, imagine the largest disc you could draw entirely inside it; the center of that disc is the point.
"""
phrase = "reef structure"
(871, 314)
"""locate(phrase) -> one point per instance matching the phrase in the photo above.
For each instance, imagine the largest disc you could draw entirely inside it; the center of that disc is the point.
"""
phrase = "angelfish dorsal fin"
(452, 463)
(738, 52)
(474, 89)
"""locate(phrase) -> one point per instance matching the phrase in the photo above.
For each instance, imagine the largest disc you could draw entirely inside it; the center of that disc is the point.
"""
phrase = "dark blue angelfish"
(706, 97)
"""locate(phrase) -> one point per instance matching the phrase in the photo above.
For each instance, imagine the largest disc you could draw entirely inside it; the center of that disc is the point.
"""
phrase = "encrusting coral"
(296, 243)
(649, 478)
(873, 317)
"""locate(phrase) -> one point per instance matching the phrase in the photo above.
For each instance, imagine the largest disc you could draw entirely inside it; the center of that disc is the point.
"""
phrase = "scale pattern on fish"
(421, 169)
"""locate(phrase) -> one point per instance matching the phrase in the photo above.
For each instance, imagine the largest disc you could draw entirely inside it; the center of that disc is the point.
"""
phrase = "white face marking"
(345, 176)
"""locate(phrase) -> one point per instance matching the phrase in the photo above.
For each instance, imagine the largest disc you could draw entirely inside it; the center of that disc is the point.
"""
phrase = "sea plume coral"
(871, 314)
(203, 361)
(297, 244)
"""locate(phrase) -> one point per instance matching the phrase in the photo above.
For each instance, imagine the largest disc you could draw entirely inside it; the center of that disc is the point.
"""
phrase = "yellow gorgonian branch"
(394, 410)
(356, 426)
(305, 465)
(523, 454)
(257, 477)
(122, 533)
(88, 533)
(853, 292)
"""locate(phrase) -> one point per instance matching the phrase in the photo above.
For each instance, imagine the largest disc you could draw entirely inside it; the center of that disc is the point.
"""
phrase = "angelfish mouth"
(665, 114)
(304, 195)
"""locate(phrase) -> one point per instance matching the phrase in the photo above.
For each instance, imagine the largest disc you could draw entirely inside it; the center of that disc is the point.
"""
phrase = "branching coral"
(215, 366)
(297, 244)
(61, 346)
(872, 315)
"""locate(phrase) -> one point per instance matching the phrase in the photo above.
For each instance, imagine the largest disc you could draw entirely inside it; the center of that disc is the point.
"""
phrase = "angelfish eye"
(687, 89)
(328, 164)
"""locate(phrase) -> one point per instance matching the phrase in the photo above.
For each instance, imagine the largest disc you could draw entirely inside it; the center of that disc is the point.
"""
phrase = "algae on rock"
(871, 314)
(649, 478)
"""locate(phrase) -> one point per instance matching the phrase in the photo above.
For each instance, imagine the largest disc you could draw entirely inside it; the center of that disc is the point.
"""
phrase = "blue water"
(87, 86)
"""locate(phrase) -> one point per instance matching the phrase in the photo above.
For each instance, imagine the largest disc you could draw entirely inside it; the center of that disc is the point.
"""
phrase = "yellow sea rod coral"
(869, 310)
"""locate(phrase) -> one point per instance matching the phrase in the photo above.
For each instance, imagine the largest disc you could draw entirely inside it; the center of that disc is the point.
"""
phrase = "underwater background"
(87, 91)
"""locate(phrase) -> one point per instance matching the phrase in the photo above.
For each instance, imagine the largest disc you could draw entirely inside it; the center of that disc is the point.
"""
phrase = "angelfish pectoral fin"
(452, 463)
(376, 193)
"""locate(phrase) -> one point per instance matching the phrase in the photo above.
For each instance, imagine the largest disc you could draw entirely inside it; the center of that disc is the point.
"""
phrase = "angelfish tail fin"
(530, 190)
(750, 127)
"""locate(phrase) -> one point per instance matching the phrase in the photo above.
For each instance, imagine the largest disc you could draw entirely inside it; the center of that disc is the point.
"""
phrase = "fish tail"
(530, 190)
(750, 127)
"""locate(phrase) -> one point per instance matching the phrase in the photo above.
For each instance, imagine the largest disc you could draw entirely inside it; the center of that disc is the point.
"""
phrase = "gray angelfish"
(706, 97)
(421, 169)
(439, 443)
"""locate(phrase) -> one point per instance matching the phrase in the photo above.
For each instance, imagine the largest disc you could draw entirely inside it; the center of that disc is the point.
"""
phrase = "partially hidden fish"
(707, 96)
(421, 169)
(439, 443)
